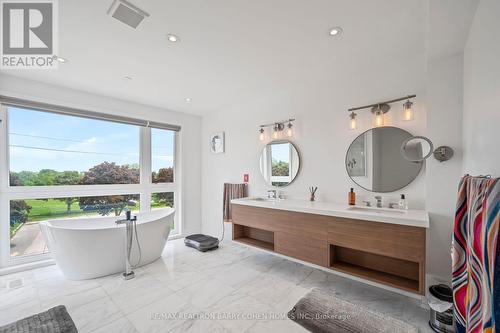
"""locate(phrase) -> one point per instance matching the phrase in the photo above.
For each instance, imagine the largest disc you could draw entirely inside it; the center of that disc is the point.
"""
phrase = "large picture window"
(57, 165)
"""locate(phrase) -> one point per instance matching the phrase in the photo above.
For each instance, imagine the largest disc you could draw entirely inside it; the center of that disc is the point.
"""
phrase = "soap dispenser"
(352, 197)
(403, 204)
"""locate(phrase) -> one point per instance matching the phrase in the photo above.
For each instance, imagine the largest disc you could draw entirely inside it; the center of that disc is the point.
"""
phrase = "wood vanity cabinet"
(386, 253)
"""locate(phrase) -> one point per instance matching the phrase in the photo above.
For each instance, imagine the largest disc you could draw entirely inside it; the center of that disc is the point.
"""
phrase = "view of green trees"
(22, 211)
(104, 173)
(280, 168)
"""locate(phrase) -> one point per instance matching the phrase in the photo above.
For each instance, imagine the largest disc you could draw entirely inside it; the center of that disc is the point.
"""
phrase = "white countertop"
(415, 218)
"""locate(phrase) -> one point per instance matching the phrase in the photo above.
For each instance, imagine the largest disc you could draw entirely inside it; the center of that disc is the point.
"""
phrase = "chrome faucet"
(271, 194)
(367, 203)
(128, 217)
(379, 201)
(128, 220)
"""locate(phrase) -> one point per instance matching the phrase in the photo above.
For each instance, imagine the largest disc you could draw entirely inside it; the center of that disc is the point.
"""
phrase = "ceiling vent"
(127, 13)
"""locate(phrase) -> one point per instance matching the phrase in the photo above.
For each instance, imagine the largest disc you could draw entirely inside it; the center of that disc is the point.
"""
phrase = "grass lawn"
(155, 205)
(48, 209)
(45, 209)
(51, 208)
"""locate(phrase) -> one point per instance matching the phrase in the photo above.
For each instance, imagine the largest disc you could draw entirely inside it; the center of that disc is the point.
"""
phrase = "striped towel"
(231, 191)
(475, 255)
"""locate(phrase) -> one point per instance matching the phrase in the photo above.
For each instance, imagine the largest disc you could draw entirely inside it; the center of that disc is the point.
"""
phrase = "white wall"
(482, 92)
(189, 135)
(322, 136)
(444, 127)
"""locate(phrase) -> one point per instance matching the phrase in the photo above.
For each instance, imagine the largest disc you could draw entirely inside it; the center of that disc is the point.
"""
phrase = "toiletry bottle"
(403, 204)
(352, 197)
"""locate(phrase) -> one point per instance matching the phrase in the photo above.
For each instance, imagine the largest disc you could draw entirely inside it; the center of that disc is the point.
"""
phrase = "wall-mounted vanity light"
(408, 110)
(352, 122)
(289, 130)
(277, 129)
(379, 112)
(380, 109)
(262, 135)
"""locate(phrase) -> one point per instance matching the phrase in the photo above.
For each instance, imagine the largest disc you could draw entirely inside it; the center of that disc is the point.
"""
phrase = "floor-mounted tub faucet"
(128, 220)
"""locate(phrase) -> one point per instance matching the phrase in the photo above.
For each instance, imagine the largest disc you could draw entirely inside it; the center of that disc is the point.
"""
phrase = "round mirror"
(279, 163)
(417, 148)
(374, 160)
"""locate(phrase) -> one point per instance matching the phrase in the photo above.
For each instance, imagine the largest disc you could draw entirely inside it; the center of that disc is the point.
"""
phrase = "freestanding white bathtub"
(91, 247)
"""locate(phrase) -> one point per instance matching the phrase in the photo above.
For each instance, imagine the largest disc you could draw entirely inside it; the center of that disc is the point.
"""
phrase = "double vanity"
(381, 245)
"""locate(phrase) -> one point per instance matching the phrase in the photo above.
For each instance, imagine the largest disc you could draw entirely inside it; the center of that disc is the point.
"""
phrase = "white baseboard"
(26, 267)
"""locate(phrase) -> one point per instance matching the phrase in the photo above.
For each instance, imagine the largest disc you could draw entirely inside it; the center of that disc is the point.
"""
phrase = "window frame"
(144, 188)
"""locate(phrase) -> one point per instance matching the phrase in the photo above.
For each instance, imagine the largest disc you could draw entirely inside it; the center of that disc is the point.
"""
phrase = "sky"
(281, 152)
(41, 140)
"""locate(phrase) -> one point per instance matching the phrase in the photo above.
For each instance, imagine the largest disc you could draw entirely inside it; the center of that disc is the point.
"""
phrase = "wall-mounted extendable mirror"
(417, 148)
(420, 148)
(279, 163)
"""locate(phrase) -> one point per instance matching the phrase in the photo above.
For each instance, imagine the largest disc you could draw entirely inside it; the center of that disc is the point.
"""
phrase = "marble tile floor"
(233, 289)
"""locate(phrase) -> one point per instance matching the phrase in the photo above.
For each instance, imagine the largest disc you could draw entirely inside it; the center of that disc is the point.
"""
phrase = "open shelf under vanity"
(394, 272)
(254, 236)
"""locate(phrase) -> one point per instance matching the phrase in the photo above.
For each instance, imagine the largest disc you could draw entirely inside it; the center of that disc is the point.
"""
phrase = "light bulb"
(379, 119)
(261, 135)
(276, 134)
(352, 122)
(277, 130)
(408, 110)
(289, 131)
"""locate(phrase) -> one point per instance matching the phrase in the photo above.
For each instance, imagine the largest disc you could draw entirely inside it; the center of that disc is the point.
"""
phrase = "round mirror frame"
(403, 150)
(298, 154)
(371, 190)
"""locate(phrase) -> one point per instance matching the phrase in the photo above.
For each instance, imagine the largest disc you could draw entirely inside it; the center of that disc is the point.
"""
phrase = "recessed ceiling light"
(61, 59)
(188, 100)
(173, 38)
(335, 31)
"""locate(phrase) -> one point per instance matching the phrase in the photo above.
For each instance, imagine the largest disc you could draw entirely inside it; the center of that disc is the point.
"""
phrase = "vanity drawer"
(305, 225)
(396, 241)
(303, 248)
(262, 218)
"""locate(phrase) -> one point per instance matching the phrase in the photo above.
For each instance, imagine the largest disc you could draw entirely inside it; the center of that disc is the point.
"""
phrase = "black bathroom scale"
(202, 242)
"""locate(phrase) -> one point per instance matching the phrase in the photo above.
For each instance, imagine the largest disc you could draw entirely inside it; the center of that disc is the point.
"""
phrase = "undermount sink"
(377, 210)
(265, 199)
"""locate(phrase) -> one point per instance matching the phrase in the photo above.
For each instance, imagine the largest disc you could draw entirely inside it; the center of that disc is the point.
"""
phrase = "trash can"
(441, 304)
